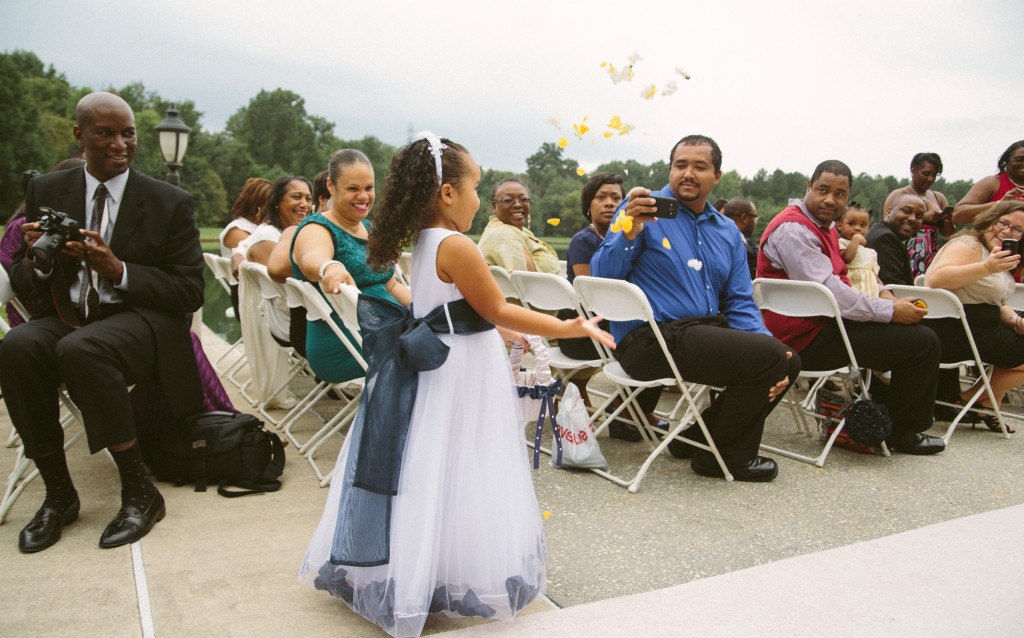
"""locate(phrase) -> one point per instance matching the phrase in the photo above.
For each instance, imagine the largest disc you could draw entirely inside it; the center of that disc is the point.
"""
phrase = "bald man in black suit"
(115, 311)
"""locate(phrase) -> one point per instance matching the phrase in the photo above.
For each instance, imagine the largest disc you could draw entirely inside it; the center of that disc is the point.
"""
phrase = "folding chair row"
(319, 309)
(225, 366)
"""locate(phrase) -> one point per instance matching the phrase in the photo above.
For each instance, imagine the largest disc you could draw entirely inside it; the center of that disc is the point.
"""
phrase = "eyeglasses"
(508, 201)
(754, 215)
(1015, 231)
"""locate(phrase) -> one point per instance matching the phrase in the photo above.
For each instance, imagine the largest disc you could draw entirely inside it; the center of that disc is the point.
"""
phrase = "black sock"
(60, 491)
(136, 488)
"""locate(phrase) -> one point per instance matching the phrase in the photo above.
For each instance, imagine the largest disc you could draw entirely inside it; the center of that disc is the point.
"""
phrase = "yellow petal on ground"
(554, 221)
(547, 514)
(664, 242)
(581, 171)
(648, 92)
(562, 142)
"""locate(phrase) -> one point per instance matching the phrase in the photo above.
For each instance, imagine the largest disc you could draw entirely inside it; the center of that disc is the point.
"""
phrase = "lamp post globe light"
(173, 142)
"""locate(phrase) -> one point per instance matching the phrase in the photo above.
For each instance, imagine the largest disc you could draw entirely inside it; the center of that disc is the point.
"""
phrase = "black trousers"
(746, 364)
(910, 352)
(97, 363)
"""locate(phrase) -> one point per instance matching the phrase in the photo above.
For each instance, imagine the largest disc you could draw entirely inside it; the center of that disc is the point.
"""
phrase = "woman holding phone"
(975, 265)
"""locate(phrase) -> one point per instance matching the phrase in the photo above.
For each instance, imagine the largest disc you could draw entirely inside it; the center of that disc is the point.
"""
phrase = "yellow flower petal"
(581, 128)
(608, 134)
(664, 242)
(615, 122)
(616, 227)
(623, 221)
(554, 221)
(648, 92)
(562, 142)
(547, 514)
(581, 172)
(604, 64)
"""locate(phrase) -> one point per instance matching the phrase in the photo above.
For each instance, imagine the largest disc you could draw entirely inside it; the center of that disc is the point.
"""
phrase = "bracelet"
(323, 267)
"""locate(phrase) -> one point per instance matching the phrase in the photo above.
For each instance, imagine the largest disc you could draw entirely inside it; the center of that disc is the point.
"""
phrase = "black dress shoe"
(624, 431)
(45, 527)
(131, 524)
(757, 470)
(916, 443)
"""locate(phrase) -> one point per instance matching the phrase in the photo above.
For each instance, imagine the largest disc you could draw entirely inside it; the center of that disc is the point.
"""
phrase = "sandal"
(992, 424)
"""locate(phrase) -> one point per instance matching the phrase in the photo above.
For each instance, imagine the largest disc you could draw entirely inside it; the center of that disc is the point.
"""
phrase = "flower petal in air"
(696, 264)
(581, 171)
(648, 92)
(615, 123)
(682, 73)
(562, 142)
(553, 121)
(664, 242)
(581, 128)
(608, 134)
(625, 128)
(670, 88)
(554, 221)
(634, 58)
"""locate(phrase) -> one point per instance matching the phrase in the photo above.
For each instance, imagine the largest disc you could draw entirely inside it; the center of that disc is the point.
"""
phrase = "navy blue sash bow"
(397, 347)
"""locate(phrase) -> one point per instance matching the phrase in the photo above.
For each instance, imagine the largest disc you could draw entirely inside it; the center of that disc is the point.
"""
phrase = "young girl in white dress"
(456, 529)
(861, 261)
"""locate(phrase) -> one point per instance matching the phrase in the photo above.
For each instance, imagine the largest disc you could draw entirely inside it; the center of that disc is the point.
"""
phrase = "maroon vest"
(799, 332)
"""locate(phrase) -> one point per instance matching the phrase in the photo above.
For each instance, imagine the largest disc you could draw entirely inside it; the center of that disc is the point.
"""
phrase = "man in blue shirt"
(695, 266)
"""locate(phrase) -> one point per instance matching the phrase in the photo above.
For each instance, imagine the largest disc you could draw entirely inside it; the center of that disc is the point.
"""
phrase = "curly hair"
(252, 199)
(271, 214)
(408, 202)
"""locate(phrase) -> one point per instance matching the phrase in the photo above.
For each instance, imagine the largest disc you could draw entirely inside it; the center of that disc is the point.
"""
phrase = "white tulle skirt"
(466, 535)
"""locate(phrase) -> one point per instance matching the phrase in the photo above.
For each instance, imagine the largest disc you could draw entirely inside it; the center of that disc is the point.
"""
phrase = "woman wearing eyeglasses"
(507, 240)
(975, 268)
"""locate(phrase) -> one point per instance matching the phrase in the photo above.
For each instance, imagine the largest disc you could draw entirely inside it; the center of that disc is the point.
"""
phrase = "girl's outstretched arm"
(459, 261)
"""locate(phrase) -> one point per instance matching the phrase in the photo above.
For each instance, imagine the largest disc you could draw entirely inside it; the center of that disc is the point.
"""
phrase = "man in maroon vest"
(802, 243)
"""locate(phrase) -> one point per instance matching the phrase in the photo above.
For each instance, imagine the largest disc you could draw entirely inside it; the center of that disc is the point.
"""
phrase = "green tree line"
(273, 135)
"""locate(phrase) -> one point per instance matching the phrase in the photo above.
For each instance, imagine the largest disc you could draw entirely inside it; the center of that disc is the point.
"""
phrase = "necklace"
(1013, 182)
(596, 231)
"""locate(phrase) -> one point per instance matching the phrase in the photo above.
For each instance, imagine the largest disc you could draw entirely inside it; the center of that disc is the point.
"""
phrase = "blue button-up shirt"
(690, 266)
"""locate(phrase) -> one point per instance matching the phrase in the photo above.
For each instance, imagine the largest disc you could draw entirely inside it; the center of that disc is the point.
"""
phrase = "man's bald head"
(105, 129)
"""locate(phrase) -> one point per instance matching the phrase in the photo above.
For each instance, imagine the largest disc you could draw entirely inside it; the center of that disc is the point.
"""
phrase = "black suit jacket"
(156, 236)
(893, 258)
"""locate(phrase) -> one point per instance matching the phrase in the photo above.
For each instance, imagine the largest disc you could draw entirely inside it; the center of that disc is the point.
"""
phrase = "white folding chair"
(318, 309)
(547, 292)
(404, 267)
(272, 367)
(504, 280)
(221, 269)
(618, 300)
(811, 299)
(943, 304)
(24, 470)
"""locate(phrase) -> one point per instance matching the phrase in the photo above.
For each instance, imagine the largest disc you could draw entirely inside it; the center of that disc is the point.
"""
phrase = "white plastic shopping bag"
(579, 445)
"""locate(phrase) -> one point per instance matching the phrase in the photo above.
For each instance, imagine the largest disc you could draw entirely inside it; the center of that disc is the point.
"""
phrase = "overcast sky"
(778, 85)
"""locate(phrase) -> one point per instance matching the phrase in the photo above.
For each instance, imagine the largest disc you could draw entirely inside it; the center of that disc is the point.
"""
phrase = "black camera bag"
(230, 449)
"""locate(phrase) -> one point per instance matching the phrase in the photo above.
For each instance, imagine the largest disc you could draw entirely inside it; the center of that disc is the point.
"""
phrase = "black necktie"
(89, 298)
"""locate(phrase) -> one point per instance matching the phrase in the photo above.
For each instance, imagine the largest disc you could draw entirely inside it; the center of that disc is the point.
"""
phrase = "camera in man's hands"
(57, 229)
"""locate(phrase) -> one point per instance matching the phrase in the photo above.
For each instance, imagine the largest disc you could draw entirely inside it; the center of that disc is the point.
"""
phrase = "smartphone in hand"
(668, 207)
(1011, 245)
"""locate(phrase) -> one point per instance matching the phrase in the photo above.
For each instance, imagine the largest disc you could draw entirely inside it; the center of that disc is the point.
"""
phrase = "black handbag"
(230, 449)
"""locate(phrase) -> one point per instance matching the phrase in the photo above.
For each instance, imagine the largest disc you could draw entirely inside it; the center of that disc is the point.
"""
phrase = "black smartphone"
(667, 207)
(1011, 245)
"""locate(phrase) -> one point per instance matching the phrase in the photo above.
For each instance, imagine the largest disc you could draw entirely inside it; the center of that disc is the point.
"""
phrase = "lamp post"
(173, 142)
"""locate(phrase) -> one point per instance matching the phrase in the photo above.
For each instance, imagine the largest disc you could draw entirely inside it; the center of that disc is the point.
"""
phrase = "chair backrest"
(504, 280)
(1016, 300)
(795, 298)
(317, 309)
(405, 266)
(801, 299)
(942, 304)
(345, 304)
(919, 281)
(544, 291)
(269, 289)
(7, 295)
(563, 267)
(221, 269)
